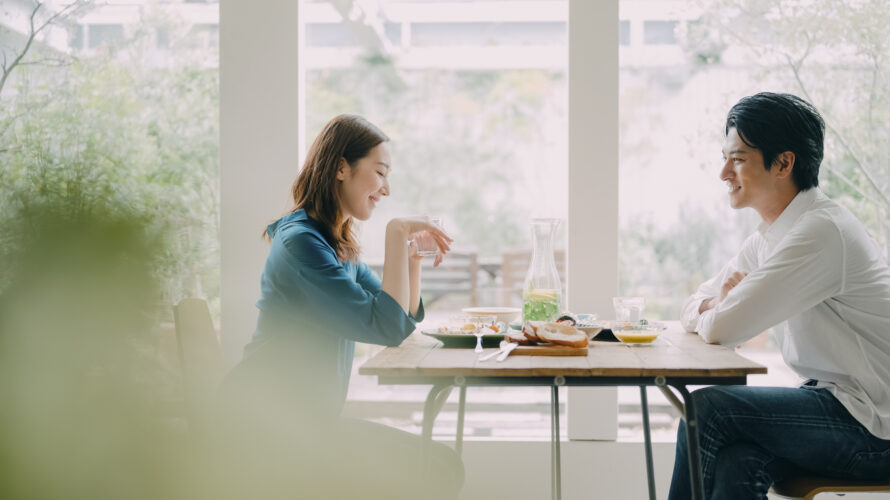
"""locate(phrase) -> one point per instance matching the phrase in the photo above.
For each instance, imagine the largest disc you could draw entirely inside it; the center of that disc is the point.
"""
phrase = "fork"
(478, 333)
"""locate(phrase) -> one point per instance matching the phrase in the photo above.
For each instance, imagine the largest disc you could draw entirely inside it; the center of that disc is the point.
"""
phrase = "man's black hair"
(775, 123)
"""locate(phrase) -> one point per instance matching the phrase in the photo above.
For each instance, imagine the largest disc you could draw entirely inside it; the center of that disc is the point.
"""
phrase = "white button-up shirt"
(817, 269)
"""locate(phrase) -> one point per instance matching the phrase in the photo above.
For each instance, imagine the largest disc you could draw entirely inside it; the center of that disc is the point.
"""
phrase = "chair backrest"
(807, 487)
(457, 274)
(514, 266)
(199, 354)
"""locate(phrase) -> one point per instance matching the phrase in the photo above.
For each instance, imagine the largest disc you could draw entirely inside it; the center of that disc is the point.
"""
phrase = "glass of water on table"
(628, 308)
(424, 241)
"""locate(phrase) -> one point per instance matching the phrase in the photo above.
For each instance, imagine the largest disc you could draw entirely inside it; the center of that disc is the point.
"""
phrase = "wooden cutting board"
(548, 350)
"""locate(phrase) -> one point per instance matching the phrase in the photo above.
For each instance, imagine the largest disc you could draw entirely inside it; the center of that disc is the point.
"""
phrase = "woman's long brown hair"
(348, 137)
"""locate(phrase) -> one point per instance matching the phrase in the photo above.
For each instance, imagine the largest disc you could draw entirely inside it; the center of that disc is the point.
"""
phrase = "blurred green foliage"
(78, 373)
(126, 129)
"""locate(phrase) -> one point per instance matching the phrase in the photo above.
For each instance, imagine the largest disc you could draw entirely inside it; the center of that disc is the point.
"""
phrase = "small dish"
(636, 334)
(588, 324)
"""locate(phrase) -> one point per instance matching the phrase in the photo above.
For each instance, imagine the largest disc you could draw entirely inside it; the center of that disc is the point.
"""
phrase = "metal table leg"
(647, 438)
(555, 472)
(695, 472)
(434, 401)
(461, 406)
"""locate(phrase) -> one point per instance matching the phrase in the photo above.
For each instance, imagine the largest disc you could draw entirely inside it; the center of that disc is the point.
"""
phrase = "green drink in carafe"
(540, 305)
(542, 291)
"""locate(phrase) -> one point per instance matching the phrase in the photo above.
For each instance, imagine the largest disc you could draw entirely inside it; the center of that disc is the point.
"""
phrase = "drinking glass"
(424, 241)
(628, 308)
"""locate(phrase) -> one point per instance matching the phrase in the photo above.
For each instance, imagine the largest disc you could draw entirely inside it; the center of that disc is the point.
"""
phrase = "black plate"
(465, 339)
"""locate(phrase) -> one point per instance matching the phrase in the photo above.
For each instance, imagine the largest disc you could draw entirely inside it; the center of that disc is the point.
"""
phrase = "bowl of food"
(636, 334)
(589, 324)
(503, 315)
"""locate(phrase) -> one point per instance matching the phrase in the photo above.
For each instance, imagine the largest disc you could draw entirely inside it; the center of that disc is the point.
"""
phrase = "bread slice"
(529, 328)
(561, 334)
(518, 337)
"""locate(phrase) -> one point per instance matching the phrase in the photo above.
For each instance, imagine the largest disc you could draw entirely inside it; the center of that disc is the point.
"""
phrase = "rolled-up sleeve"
(805, 269)
(742, 262)
(354, 308)
(371, 282)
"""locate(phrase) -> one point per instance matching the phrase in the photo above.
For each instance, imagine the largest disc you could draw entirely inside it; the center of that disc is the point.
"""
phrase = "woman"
(317, 299)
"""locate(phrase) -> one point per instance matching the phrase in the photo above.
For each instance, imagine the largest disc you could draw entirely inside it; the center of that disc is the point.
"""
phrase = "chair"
(199, 357)
(515, 266)
(807, 487)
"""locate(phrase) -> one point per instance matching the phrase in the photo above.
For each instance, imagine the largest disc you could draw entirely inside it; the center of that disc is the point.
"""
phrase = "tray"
(548, 350)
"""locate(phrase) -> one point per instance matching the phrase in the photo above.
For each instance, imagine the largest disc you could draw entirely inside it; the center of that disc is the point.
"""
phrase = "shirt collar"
(773, 233)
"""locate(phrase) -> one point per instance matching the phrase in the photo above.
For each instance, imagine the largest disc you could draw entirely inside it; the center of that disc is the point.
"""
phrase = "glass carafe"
(542, 291)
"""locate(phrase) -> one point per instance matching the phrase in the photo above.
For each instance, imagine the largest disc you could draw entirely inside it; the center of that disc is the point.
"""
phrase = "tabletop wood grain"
(674, 354)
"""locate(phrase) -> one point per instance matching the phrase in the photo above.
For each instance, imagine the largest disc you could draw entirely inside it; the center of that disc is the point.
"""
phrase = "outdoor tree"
(40, 19)
(835, 54)
(109, 129)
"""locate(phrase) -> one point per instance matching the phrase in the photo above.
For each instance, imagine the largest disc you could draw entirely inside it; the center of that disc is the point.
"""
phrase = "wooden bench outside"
(458, 274)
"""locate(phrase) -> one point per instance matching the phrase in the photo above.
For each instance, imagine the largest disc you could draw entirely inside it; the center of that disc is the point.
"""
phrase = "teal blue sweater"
(313, 308)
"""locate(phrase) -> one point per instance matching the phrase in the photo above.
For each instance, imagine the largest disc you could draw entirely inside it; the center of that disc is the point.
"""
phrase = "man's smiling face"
(750, 184)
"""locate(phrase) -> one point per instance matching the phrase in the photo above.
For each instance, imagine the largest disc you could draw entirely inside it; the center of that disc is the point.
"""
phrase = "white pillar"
(593, 192)
(259, 134)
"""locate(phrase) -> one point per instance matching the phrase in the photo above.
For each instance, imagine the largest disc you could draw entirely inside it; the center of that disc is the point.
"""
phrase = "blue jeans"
(752, 437)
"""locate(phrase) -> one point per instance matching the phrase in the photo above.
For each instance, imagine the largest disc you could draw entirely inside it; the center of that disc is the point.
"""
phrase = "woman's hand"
(401, 267)
(412, 228)
(413, 255)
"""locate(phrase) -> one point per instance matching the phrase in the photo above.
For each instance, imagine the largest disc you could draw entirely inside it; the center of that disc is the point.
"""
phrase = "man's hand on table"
(730, 283)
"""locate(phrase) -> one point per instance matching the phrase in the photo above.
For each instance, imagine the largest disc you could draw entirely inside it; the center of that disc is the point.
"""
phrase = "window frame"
(265, 91)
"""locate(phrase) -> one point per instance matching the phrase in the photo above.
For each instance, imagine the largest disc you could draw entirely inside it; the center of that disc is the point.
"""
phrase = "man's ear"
(784, 164)
(343, 170)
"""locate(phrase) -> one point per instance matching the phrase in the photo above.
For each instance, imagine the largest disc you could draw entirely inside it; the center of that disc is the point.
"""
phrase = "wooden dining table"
(676, 360)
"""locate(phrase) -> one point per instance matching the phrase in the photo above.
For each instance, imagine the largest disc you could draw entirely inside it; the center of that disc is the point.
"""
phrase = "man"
(812, 271)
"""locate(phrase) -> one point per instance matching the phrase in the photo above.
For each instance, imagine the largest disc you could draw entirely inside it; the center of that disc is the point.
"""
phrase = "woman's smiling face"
(364, 184)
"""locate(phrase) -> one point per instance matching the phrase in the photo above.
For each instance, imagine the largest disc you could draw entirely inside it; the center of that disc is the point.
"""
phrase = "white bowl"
(503, 314)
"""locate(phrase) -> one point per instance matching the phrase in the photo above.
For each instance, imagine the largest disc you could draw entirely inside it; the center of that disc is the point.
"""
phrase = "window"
(624, 32)
(162, 38)
(659, 32)
(673, 102)
(676, 228)
(152, 145)
(104, 34)
(472, 116)
(474, 99)
(493, 33)
(77, 37)
(329, 35)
